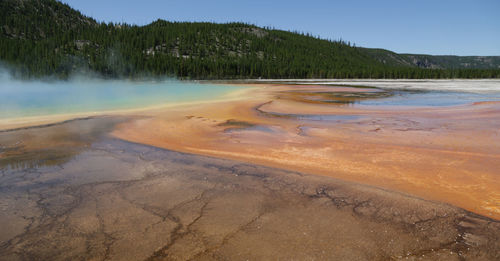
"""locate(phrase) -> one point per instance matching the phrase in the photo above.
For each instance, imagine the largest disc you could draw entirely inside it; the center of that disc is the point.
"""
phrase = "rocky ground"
(91, 197)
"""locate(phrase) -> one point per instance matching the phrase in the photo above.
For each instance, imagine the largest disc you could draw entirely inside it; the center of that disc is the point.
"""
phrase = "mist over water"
(19, 98)
(87, 94)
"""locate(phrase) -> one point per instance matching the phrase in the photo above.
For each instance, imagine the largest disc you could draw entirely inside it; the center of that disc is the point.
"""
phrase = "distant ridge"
(435, 61)
(48, 38)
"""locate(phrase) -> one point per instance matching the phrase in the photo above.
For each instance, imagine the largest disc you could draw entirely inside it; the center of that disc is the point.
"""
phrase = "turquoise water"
(38, 98)
(35, 98)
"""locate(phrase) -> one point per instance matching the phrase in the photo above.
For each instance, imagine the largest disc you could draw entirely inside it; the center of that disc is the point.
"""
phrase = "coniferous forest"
(41, 38)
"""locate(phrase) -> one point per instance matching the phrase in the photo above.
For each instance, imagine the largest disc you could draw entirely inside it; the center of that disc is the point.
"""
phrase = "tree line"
(59, 45)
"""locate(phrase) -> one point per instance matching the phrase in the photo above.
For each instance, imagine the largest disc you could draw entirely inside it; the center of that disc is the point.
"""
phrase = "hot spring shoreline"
(379, 147)
(424, 151)
(91, 189)
(14, 123)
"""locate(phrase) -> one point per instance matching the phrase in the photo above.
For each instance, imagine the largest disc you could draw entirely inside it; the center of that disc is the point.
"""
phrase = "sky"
(447, 27)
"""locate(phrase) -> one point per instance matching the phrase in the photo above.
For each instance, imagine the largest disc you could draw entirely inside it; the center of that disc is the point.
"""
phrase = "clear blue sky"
(459, 27)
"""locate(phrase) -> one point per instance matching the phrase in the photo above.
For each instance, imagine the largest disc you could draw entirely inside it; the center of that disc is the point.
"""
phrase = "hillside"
(453, 62)
(46, 37)
(38, 19)
(434, 61)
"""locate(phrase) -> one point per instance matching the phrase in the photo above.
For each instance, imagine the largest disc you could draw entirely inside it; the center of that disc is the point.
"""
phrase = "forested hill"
(49, 38)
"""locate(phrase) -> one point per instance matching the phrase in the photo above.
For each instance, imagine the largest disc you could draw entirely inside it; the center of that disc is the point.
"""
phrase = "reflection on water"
(233, 125)
(175, 206)
(261, 128)
(49, 146)
(89, 196)
(389, 97)
(389, 146)
(334, 97)
(21, 159)
(326, 118)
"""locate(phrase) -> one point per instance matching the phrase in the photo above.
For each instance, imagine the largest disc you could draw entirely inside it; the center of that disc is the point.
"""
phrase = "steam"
(87, 93)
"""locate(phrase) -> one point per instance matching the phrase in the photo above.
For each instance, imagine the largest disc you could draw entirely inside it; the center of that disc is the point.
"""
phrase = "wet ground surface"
(433, 151)
(326, 96)
(101, 198)
(402, 96)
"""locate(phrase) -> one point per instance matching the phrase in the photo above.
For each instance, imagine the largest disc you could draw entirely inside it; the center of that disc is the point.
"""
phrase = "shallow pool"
(37, 98)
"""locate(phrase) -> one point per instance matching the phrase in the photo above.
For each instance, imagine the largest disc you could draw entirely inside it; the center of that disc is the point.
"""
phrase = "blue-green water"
(34, 98)
(431, 98)
(38, 98)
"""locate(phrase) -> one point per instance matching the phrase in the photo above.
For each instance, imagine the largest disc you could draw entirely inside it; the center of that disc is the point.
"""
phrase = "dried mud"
(110, 199)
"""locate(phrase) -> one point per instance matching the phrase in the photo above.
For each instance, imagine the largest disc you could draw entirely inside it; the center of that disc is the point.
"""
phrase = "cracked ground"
(71, 192)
